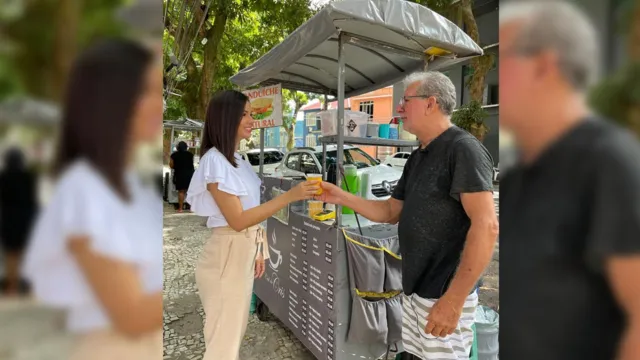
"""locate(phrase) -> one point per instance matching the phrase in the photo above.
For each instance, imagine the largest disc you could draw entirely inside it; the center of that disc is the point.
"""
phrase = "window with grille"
(367, 107)
(310, 119)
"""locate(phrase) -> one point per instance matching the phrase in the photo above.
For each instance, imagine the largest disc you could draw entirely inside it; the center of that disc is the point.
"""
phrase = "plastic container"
(365, 180)
(355, 123)
(404, 134)
(393, 129)
(487, 332)
(350, 184)
(384, 131)
(372, 129)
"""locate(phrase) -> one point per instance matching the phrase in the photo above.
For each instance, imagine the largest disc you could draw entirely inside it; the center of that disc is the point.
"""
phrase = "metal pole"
(172, 139)
(324, 145)
(324, 161)
(261, 152)
(340, 121)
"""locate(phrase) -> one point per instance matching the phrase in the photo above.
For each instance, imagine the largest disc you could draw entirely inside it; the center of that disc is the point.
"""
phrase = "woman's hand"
(259, 269)
(304, 190)
(331, 194)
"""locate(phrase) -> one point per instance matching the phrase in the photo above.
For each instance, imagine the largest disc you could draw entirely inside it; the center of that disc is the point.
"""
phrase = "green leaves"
(253, 27)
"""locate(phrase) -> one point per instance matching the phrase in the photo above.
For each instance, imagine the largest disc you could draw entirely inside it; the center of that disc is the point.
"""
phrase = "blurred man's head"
(428, 102)
(548, 54)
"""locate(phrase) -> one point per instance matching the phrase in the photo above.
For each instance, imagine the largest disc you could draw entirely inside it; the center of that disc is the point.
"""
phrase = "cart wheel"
(262, 311)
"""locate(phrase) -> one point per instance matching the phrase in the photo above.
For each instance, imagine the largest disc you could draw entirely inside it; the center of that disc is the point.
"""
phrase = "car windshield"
(270, 157)
(353, 156)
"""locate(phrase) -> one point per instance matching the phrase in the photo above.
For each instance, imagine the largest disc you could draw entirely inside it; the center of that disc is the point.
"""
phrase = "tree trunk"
(481, 64)
(633, 50)
(65, 44)
(210, 60)
(291, 136)
(633, 39)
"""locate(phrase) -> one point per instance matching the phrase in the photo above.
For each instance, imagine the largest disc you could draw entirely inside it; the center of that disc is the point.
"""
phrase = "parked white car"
(272, 158)
(397, 160)
(308, 160)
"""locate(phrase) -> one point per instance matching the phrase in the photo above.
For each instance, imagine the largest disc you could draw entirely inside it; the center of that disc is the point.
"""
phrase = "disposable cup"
(314, 207)
(316, 178)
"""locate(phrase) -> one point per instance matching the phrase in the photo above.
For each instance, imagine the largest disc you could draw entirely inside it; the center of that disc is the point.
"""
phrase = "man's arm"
(624, 277)
(478, 249)
(380, 211)
(472, 185)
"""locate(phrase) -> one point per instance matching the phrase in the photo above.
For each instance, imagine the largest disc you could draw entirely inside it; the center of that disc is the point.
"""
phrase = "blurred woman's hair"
(182, 146)
(14, 160)
(103, 90)
(224, 114)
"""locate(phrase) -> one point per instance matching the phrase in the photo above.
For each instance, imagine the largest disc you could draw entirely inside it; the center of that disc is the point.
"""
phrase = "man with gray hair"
(570, 254)
(447, 224)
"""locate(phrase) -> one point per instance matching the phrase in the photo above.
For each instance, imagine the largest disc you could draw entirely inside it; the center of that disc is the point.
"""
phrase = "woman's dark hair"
(182, 146)
(104, 87)
(14, 160)
(224, 114)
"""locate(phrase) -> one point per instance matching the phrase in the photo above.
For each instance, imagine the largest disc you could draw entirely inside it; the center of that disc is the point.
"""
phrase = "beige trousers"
(110, 345)
(224, 276)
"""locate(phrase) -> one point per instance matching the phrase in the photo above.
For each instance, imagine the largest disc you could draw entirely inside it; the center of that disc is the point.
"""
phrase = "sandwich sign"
(266, 106)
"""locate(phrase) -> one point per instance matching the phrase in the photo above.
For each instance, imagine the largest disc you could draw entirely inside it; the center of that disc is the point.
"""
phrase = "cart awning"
(183, 124)
(385, 40)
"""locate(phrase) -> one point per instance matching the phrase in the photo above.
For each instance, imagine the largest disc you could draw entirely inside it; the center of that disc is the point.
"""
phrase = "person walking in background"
(570, 254)
(447, 224)
(225, 189)
(182, 164)
(18, 209)
(96, 250)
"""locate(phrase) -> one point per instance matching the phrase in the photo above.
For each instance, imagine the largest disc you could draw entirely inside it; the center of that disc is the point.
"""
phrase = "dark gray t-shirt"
(561, 218)
(433, 224)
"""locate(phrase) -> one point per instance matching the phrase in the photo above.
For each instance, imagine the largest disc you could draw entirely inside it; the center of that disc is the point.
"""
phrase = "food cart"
(336, 284)
(171, 127)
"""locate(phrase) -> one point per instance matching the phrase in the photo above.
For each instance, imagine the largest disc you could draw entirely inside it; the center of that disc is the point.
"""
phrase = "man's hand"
(259, 269)
(331, 194)
(444, 317)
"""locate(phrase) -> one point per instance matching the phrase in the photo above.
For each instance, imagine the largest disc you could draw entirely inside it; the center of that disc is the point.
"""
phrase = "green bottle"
(350, 180)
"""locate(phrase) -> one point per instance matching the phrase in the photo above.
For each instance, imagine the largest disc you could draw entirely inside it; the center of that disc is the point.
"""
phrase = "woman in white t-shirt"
(227, 190)
(96, 250)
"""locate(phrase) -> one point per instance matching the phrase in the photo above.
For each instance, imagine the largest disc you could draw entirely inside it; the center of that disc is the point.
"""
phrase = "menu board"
(298, 285)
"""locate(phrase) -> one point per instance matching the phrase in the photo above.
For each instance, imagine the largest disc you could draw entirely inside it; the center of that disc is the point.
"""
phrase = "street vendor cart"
(336, 284)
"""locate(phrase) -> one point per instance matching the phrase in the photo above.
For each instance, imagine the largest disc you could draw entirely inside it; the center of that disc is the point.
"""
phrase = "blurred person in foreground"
(18, 207)
(182, 164)
(227, 191)
(570, 254)
(96, 250)
(447, 224)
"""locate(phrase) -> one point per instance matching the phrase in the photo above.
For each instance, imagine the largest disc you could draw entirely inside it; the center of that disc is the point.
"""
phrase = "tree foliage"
(37, 46)
(234, 33)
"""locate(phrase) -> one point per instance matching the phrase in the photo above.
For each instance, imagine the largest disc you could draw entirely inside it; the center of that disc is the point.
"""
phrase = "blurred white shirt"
(84, 204)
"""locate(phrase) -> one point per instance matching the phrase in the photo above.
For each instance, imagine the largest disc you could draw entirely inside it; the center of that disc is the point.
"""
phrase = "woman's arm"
(171, 162)
(239, 219)
(117, 287)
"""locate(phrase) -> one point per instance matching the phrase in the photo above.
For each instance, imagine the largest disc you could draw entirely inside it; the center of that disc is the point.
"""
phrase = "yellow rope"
(371, 294)
(371, 247)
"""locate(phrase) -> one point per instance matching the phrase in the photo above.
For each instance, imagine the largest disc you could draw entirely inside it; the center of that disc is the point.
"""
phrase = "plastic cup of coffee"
(317, 178)
(315, 207)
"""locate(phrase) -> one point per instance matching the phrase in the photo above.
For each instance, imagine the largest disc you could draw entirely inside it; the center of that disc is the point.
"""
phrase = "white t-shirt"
(215, 168)
(84, 204)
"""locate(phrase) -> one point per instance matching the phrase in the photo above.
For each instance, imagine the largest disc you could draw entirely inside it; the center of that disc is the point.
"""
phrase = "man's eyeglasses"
(405, 99)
